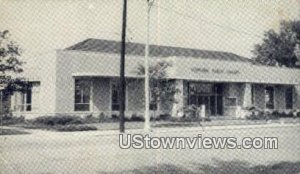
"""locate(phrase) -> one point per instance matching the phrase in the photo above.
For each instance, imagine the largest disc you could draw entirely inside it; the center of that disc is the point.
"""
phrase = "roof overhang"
(188, 68)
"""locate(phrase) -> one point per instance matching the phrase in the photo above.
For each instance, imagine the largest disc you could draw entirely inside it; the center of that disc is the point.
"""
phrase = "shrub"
(258, 115)
(101, 117)
(75, 127)
(190, 111)
(254, 113)
(134, 117)
(267, 115)
(91, 119)
(115, 117)
(253, 116)
(9, 119)
(174, 119)
(187, 119)
(290, 114)
(88, 117)
(164, 117)
(251, 108)
(286, 114)
(298, 114)
(104, 118)
(276, 113)
(59, 120)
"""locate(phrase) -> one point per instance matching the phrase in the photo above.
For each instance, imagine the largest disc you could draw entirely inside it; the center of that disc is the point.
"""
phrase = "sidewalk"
(156, 130)
(168, 126)
(201, 129)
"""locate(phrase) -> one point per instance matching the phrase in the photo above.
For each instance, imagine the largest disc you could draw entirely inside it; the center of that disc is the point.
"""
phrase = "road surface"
(97, 152)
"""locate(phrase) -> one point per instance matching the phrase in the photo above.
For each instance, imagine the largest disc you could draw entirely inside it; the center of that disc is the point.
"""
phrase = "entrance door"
(220, 105)
(210, 95)
(204, 100)
(213, 105)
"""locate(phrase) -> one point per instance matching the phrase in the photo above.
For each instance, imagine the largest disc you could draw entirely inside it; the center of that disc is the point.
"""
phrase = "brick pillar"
(297, 97)
(246, 101)
(178, 99)
(246, 97)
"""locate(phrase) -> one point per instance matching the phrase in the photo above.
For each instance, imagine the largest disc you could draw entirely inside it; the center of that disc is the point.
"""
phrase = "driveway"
(99, 151)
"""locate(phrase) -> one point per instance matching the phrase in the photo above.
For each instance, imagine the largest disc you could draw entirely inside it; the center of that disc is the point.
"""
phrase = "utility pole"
(297, 53)
(122, 70)
(147, 90)
(1, 114)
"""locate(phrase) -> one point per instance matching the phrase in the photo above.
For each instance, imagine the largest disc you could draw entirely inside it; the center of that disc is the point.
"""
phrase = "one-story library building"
(83, 79)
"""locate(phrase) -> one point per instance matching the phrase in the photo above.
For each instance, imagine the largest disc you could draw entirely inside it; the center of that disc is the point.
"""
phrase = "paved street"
(98, 152)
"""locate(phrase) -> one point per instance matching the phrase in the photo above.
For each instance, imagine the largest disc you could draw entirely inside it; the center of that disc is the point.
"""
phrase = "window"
(208, 94)
(252, 94)
(231, 101)
(23, 100)
(82, 95)
(289, 98)
(115, 94)
(269, 97)
(153, 102)
(154, 92)
(201, 88)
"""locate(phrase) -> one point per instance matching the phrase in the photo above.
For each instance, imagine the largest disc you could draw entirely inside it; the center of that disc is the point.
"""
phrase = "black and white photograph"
(149, 86)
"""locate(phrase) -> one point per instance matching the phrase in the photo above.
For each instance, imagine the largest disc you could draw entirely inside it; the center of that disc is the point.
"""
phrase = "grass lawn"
(72, 123)
(8, 131)
(223, 167)
(61, 128)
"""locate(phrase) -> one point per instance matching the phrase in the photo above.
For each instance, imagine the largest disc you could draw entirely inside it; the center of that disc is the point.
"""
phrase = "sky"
(223, 25)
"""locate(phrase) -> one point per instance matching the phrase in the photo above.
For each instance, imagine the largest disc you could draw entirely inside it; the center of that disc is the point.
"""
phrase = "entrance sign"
(215, 70)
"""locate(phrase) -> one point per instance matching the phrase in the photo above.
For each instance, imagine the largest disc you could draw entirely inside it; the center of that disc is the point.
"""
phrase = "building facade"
(83, 80)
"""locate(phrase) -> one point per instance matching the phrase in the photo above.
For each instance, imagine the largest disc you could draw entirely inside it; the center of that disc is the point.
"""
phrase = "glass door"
(204, 100)
(208, 94)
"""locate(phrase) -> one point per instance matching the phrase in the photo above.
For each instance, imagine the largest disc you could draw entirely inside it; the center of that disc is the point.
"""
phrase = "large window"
(82, 94)
(23, 100)
(231, 102)
(153, 101)
(252, 94)
(208, 94)
(115, 95)
(154, 92)
(269, 97)
(289, 98)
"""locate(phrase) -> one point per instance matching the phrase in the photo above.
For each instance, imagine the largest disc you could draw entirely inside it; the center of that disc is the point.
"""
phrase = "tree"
(9, 54)
(9, 66)
(278, 48)
(161, 88)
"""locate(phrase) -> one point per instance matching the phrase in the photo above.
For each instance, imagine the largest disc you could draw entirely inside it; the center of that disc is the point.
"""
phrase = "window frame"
(253, 94)
(117, 88)
(273, 97)
(231, 102)
(153, 104)
(24, 106)
(82, 103)
(292, 97)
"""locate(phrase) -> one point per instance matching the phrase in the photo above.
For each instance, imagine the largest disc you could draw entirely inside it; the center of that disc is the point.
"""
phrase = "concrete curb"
(201, 129)
(161, 130)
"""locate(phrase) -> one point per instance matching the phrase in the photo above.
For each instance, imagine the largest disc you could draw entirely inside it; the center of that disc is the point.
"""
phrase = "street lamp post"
(122, 70)
(147, 88)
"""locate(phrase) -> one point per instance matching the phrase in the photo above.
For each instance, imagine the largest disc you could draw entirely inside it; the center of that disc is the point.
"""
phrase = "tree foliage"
(161, 88)
(278, 48)
(9, 54)
(10, 64)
